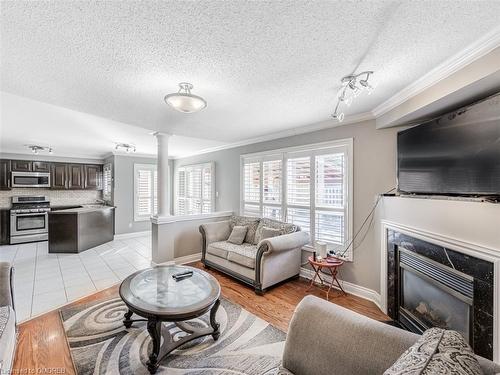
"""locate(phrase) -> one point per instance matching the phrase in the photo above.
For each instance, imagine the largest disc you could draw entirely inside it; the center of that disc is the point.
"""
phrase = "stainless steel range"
(29, 219)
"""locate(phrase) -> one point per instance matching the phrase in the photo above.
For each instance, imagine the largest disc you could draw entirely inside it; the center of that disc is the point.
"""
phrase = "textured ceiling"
(77, 134)
(262, 66)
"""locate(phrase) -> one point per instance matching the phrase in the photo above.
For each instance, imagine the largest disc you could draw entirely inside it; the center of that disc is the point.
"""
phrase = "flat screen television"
(455, 154)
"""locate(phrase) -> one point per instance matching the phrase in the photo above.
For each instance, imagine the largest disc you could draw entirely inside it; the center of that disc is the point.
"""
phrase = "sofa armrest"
(216, 231)
(325, 339)
(284, 242)
(6, 284)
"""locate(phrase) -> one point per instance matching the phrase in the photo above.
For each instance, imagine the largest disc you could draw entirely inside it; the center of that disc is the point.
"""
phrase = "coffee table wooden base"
(157, 331)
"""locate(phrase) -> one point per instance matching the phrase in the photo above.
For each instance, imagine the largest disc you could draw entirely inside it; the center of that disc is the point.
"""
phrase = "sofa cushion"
(269, 233)
(250, 222)
(218, 249)
(438, 351)
(243, 255)
(285, 228)
(238, 234)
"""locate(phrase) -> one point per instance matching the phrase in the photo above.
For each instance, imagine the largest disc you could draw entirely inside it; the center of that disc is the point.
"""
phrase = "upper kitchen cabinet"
(21, 165)
(5, 174)
(59, 176)
(76, 176)
(41, 166)
(93, 177)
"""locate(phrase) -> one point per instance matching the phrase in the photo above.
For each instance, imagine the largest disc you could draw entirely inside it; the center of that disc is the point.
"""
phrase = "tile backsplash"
(56, 197)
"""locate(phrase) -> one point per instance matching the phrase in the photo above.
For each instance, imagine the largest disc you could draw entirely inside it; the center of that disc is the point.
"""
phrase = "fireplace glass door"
(431, 304)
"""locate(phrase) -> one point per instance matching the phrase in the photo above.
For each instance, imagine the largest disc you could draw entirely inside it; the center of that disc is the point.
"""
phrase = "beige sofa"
(325, 339)
(259, 263)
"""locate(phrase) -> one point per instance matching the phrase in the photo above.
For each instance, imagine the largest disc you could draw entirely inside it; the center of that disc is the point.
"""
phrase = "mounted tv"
(455, 154)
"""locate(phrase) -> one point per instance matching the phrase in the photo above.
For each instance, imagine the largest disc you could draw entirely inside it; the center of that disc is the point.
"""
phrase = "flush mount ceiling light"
(37, 149)
(352, 86)
(184, 101)
(125, 146)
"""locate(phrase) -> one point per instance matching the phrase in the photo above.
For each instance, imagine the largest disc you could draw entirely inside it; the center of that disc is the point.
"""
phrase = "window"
(107, 177)
(145, 191)
(310, 186)
(195, 189)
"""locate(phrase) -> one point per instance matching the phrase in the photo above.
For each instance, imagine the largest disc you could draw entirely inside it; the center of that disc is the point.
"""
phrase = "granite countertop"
(81, 209)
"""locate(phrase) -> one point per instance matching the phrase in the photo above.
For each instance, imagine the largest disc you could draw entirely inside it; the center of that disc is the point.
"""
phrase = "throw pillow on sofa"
(250, 222)
(438, 351)
(238, 234)
(285, 228)
(269, 233)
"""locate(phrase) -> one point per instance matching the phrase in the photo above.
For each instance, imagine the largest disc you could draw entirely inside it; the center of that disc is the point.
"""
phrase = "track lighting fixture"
(125, 146)
(36, 149)
(352, 86)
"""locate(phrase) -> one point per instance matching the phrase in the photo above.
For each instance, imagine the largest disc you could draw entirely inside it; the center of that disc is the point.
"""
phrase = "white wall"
(475, 223)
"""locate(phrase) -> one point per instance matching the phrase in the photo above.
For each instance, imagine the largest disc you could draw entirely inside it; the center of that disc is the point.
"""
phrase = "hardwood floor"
(42, 345)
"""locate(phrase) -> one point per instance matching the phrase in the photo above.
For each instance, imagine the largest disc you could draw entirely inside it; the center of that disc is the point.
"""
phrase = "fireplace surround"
(431, 285)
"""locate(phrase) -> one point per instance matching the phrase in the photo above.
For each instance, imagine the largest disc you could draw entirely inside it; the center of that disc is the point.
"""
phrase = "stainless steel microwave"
(30, 179)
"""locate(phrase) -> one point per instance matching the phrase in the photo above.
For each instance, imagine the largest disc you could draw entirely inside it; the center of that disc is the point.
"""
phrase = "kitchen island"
(76, 229)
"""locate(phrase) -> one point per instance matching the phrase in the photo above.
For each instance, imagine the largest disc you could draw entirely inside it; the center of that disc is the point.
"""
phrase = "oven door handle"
(30, 214)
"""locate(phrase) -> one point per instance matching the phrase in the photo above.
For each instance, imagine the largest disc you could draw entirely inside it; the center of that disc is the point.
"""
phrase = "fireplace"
(433, 295)
(432, 286)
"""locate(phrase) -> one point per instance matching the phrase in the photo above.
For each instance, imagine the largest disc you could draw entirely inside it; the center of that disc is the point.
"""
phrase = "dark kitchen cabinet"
(63, 176)
(4, 226)
(93, 177)
(59, 176)
(41, 166)
(76, 176)
(21, 165)
(4, 174)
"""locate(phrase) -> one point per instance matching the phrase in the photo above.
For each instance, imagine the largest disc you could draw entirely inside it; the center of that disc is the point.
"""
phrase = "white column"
(163, 174)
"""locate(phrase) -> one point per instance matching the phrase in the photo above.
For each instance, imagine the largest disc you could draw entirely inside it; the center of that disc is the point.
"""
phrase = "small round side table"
(332, 265)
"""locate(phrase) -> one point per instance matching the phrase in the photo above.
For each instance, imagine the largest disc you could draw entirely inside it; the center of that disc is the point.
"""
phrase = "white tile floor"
(44, 281)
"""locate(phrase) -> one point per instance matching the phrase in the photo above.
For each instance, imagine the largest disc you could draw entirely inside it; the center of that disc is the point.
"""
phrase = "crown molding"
(63, 158)
(353, 119)
(476, 50)
(131, 155)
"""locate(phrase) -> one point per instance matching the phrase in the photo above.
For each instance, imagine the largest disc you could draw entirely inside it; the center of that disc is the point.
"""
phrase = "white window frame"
(137, 168)
(311, 150)
(210, 165)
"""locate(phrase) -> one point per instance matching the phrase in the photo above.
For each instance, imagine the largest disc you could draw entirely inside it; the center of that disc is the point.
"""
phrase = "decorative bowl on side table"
(157, 297)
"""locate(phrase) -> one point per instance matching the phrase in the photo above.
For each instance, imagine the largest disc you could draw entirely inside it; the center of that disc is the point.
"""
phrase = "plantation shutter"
(272, 189)
(206, 190)
(181, 192)
(145, 191)
(107, 181)
(251, 189)
(330, 198)
(194, 193)
(155, 192)
(298, 188)
(307, 186)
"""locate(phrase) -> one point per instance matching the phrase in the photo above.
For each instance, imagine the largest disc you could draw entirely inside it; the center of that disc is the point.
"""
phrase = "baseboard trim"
(188, 258)
(124, 236)
(180, 260)
(351, 288)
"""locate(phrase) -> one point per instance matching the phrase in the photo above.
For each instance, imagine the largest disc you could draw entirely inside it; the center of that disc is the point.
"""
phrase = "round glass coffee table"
(156, 296)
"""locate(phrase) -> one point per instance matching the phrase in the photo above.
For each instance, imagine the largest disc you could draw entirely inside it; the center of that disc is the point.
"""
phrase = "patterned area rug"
(100, 344)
